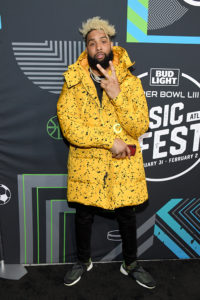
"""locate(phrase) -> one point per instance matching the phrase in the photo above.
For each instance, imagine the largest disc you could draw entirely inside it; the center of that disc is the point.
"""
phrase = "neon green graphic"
(53, 128)
(26, 216)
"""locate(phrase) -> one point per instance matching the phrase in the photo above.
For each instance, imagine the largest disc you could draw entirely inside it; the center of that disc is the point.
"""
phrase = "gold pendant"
(117, 128)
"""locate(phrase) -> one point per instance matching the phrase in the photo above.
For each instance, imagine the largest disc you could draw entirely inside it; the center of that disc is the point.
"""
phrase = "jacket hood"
(80, 68)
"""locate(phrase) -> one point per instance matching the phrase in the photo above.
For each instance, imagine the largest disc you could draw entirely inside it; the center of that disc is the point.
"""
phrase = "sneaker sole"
(123, 271)
(77, 280)
(146, 286)
(74, 282)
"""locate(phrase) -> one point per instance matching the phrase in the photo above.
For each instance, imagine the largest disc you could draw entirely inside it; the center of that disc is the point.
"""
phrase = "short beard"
(104, 63)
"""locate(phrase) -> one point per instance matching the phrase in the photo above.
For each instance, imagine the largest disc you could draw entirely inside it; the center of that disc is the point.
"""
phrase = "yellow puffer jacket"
(94, 177)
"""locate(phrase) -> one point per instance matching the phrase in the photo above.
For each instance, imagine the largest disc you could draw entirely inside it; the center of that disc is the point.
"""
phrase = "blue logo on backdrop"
(162, 21)
(177, 226)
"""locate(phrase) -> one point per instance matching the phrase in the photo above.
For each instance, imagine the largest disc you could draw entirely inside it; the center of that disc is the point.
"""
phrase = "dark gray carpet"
(176, 280)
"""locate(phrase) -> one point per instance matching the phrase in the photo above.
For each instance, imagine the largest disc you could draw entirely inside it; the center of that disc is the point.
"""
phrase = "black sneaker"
(74, 275)
(141, 276)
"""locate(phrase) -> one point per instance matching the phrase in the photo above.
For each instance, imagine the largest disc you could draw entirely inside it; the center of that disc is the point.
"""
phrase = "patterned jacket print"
(94, 177)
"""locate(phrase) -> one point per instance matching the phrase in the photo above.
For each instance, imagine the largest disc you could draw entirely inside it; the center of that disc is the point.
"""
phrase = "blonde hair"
(96, 23)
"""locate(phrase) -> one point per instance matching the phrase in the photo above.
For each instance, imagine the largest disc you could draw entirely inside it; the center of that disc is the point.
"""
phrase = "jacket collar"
(79, 71)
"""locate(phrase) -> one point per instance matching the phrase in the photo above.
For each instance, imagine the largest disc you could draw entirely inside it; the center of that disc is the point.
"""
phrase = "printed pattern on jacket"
(94, 177)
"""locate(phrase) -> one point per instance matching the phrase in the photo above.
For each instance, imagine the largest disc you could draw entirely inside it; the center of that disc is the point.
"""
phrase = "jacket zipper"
(100, 111)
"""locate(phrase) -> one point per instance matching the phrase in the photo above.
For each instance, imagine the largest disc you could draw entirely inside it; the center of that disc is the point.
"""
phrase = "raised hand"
(110, 84)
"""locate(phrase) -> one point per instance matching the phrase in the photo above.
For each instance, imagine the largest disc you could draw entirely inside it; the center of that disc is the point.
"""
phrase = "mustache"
(104, 63)
(99, 53)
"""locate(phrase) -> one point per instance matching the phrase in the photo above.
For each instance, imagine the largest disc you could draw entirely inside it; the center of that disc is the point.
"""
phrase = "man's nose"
(99, 46)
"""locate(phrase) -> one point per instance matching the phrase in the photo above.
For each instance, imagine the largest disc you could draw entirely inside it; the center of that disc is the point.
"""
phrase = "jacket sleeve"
(73, 127)
(131, 107)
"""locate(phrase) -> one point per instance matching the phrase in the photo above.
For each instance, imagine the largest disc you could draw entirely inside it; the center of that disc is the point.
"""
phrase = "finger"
(115, 155)
(112, 68)
(128, 151)
(103, 71)
(103, 84)
(123, 155)
(104, 81)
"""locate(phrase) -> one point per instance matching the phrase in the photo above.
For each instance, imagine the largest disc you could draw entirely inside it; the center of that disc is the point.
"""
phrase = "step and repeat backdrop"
(38, 40)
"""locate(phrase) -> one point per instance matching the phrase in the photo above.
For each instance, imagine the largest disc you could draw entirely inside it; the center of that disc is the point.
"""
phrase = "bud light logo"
(164, 77)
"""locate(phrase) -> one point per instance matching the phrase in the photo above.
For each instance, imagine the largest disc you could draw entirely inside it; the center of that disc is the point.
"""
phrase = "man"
(102, 112)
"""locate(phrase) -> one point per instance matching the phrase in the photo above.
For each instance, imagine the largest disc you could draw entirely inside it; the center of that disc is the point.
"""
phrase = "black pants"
(127, 226)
